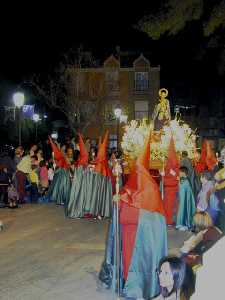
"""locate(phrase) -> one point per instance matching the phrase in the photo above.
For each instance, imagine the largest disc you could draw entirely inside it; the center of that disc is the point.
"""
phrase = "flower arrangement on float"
(136, 132)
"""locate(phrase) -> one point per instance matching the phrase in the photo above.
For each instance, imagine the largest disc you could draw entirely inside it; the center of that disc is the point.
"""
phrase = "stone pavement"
(44, 256)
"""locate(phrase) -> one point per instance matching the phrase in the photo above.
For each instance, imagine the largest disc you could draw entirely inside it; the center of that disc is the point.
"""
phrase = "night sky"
(34, 39)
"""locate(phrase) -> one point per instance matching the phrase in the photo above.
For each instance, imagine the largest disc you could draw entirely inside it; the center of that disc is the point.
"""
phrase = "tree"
(175, 16)
(62, 89)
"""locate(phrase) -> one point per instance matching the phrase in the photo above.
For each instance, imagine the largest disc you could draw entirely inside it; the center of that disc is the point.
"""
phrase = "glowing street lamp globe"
(18, 99)
(36, 117)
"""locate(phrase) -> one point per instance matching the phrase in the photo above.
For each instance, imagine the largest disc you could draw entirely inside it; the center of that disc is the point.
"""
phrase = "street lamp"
(18, 99)
(36, 119)
(117, 112)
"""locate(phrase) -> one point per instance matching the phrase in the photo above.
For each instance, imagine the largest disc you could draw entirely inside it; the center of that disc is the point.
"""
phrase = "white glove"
(172, 172)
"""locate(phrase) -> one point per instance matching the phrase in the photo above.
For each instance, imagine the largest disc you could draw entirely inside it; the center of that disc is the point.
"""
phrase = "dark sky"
(35, 36)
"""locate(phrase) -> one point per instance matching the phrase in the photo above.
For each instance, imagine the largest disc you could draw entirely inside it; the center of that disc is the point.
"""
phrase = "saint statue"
(161, 114)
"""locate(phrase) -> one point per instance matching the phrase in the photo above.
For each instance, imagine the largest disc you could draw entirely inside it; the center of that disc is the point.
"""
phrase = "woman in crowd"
(43, 173)
(207, 201)
(175, 279)
(18, 155)
(206, 235)
(115, 165)
(92, 154)
(40, 155)
(23, 169)
(220, 193)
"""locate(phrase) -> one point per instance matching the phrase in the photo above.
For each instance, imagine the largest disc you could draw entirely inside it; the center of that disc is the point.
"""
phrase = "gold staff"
(116, 199)
(163, 175)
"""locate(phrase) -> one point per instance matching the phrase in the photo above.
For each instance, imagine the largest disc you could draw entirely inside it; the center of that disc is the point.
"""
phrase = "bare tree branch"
(55, 90)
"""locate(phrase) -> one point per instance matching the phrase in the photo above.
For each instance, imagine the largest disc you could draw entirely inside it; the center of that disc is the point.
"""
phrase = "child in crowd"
(207, 201)
(13, 196)
(43, 177)
(186, 202)
(50, 172)
(34, 181)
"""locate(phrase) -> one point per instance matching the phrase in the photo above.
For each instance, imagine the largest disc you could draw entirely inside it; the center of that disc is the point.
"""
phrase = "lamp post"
(18, 99)
(36, 119)
(117, 112)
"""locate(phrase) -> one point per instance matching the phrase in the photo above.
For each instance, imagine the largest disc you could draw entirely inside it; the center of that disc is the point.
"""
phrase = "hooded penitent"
(101, 162)
(83, 158)
(211, 160)
(91, 192)
(59, 189)
(140, 186)
(144, 239)
(58, 156)
(99, 142)
(208, 159)
(171, 182)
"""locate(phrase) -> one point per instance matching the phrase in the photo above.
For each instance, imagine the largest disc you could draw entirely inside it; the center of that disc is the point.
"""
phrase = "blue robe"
(150, 246)
(186, 209)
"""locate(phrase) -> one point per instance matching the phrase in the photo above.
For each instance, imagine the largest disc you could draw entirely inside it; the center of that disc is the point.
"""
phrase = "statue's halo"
(163, 91)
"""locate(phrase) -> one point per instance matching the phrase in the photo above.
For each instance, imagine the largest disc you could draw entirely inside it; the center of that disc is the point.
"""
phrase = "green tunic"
(90, 193)
(59, 189)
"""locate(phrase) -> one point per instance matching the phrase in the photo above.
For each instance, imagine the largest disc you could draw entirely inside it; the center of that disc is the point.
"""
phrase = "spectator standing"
(43, 177)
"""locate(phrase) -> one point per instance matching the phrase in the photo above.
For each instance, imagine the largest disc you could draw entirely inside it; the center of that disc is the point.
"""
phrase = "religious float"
(163, 127)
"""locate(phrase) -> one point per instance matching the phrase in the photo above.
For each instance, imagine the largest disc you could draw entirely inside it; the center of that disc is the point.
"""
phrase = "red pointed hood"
(201, 165)
(144, 157)
(141, 190)
(99, 142)
(172, 161)
(105, 141)
(208, 159)
(58, 156)
(102, 166)
(83, 158)
(172, 165)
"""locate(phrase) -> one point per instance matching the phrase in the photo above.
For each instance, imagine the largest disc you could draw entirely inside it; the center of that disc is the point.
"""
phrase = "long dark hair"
(178, 269)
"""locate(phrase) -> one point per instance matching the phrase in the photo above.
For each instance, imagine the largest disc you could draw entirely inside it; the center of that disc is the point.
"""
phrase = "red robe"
(171, 183)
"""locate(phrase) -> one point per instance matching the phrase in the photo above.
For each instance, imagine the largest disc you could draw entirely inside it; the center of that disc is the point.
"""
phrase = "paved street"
(44, 256)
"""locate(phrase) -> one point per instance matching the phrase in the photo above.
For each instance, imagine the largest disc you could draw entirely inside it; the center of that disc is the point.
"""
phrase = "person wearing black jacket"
(4, 183)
